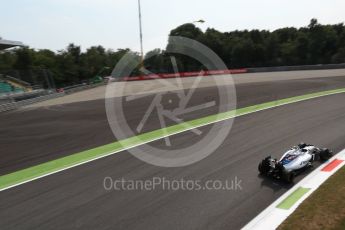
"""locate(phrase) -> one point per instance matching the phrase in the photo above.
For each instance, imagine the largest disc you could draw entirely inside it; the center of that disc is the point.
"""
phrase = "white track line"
(272, 217)
(164, 136)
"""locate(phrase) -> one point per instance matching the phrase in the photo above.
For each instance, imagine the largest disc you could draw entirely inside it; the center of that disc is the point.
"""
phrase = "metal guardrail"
(8, 107)
(81, 88)
(15, 96)
(16, 105)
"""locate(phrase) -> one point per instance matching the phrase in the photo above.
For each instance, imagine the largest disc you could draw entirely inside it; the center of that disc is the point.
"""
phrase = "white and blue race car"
(293, 161)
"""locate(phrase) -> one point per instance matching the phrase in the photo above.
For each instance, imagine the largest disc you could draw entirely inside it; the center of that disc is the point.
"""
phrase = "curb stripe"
(289, 201)
(73, 160)
(275, 214)
(332, 165)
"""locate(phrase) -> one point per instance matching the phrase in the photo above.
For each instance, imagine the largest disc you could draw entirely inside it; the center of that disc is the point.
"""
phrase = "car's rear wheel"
(288, 177)
(260, 168)
(263, 167)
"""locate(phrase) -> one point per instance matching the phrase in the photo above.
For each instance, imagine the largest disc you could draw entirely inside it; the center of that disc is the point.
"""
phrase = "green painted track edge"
(289, 201)
(47, 168)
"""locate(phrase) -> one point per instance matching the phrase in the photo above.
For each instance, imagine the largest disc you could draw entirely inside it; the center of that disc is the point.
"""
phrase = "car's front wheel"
(325, 154)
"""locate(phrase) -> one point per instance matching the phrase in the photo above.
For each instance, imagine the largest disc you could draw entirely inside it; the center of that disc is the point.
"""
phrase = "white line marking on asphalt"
(272, 217)
(164, 136)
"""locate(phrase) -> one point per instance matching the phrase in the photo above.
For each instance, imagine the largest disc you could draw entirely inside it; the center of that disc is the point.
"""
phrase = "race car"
(293, 161)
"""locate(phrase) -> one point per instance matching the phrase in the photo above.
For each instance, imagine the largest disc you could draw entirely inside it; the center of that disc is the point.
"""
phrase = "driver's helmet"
(302, 145)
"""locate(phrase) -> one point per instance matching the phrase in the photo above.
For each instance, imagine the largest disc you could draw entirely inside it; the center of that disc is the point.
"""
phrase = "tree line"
(69, 66)
(312, 44)
(309, 45)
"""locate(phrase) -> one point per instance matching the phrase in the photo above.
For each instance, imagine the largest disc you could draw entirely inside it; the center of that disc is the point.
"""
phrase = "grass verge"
(324, 209)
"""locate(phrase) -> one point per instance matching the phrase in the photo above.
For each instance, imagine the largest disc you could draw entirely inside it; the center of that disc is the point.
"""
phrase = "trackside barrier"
(81, 88)
(238, 71)
(16, 105)
(185, 74)
(85, 87)
(8, 107)
(296, 68)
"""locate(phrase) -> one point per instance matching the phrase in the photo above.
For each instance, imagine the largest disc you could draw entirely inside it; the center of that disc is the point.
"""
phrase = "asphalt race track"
(50, 132)
(76, 198)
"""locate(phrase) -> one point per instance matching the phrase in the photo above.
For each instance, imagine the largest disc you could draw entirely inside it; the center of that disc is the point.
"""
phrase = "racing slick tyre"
(264, 166)
(325, 154)
(262, 169)
(288, 177)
